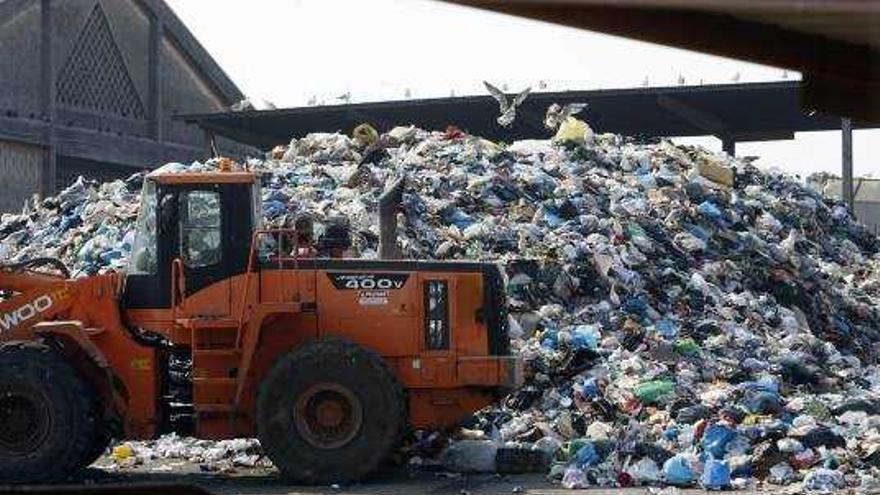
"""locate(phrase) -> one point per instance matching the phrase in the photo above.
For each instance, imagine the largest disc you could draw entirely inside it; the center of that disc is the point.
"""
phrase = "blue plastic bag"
(716, 475)
(585, 337)
(666, 328)
(709, 209)
(677, 471)
(587, 456)
(715, 439)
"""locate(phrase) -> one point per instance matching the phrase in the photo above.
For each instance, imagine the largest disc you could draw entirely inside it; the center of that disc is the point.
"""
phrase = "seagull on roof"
(557, 114)
(508, 107)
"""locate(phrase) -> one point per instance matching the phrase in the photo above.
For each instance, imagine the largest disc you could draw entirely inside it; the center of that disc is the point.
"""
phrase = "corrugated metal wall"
(20, 168)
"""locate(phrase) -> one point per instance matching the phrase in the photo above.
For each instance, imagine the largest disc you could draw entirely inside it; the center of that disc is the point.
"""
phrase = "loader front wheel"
(330, 412)
(46, 421)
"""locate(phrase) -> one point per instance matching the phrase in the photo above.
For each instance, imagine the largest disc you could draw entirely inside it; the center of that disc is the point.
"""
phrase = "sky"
(297, 52)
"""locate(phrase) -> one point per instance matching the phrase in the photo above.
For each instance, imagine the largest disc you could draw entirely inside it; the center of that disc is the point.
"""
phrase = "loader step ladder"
(215, 362)
(223, 348)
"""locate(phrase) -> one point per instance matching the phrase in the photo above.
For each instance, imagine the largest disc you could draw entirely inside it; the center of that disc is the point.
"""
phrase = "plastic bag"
(716, 475)
(470, 456)
(715, 439)
(677, 471)
(651, 391)
(573, 131)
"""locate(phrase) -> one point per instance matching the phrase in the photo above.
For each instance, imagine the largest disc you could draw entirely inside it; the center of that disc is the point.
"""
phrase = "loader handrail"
(279, 235)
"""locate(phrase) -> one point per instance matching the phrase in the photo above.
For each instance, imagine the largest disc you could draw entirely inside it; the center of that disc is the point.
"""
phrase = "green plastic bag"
(686, 347)
(648, 392)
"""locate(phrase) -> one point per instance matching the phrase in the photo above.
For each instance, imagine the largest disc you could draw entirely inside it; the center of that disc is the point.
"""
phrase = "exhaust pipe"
(389, 203)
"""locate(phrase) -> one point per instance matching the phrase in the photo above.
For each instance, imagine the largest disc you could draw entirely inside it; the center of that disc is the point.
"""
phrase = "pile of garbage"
(685, 317)
(210, 456)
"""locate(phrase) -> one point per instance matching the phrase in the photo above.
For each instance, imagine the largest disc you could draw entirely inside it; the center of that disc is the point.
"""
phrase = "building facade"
(90, 87)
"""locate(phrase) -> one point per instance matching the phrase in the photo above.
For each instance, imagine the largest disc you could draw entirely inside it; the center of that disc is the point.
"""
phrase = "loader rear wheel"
(46, 420)
(330, 412)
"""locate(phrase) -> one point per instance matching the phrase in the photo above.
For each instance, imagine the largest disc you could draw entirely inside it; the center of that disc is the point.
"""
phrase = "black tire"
(330, 375)
(46, 415)
(99, 446)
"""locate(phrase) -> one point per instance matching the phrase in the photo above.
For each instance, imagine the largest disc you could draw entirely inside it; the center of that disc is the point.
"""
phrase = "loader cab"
(198, 223)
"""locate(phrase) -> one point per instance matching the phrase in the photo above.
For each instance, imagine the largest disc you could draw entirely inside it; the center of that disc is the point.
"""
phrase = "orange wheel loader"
(219, 328)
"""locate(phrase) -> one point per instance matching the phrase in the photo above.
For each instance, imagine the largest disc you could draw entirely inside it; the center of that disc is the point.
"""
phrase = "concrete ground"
(267, 482)
(172, 477)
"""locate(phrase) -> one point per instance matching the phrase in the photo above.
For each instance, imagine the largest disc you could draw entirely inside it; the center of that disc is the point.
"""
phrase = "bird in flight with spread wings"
(508, 106)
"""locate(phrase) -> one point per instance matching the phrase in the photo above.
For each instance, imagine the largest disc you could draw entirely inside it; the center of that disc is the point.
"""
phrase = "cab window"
(200, 228)
(143, 253)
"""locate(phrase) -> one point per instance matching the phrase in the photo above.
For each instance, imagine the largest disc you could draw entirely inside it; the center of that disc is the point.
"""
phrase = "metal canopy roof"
(834, 43)
(737, 112)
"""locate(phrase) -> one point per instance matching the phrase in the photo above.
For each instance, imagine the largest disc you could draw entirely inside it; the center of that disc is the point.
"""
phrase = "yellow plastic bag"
(716, 172)
(122, 452)
(364, 135)
(573, 131)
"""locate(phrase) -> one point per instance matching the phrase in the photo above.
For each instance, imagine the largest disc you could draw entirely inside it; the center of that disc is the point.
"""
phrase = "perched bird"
(251, 104)
(557, 114)
(508, 107)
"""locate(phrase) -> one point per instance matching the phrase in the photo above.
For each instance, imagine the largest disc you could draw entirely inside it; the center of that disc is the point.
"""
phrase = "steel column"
(848, 192)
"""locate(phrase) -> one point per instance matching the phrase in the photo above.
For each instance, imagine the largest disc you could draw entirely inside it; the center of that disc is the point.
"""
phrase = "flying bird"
(557, 114)
(508, 107)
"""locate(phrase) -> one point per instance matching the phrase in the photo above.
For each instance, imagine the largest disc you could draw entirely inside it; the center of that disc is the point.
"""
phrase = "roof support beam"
(848, 192)
(781, 135)
(697, 117)
(829, 66)
(728, 145)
